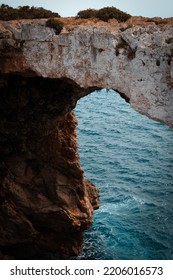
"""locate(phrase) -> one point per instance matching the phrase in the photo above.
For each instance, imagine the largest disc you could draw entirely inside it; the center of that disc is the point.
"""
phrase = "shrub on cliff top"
(111, 12)
(89, 13)
(24, 12)
(56, 24)
(105, 14)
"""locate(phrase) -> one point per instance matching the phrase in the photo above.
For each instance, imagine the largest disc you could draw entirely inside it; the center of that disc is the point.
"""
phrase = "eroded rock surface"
(137, 61)
(45, 202)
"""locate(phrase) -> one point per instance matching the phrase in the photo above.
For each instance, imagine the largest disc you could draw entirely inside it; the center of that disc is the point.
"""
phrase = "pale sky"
(148, 8)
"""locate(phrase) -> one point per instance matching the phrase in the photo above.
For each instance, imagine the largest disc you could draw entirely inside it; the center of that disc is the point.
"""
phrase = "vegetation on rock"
(56, 24)
(24, 12)
(89, 13)
(104, 14)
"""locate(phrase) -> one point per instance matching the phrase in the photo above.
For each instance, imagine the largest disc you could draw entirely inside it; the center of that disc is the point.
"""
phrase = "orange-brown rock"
(45, 202)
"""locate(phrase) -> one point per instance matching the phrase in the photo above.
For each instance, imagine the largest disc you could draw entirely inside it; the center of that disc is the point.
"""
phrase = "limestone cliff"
(45, 202)
(136, 62)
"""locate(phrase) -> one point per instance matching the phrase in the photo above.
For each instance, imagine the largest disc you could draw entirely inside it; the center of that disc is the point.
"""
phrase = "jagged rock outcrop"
(45, 201)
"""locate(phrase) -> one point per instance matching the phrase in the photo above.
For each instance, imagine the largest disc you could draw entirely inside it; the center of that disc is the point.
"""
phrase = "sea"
(130, 159)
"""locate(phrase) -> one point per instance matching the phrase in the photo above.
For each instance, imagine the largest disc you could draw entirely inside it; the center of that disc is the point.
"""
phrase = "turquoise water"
(130, 158)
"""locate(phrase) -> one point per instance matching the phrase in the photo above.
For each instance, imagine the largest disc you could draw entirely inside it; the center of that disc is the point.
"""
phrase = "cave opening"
(129, 157)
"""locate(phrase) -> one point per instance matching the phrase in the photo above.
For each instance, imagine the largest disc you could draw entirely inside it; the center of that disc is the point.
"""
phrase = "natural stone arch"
(45, 201)
(136, 62)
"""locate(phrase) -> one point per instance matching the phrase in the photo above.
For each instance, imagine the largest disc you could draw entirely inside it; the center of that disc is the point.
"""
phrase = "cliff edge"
(45, 202)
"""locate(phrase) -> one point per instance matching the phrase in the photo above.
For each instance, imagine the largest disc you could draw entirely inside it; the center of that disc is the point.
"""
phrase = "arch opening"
(129, 157)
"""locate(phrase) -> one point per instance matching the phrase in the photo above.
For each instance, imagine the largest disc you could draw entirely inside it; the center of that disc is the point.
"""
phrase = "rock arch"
(45, 201)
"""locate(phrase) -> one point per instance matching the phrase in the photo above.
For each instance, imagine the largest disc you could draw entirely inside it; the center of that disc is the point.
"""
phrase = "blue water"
(130, 158)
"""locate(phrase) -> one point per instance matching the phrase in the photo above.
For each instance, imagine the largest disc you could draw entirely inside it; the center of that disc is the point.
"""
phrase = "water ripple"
(130, 158)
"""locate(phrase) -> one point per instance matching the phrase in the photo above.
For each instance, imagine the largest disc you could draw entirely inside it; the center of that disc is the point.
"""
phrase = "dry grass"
(113, 23)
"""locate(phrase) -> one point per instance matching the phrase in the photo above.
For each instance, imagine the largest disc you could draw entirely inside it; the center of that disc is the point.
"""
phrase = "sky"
(148, 8)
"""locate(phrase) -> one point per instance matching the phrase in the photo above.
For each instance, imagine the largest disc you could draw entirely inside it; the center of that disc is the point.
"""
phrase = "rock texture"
(45, 203)
(136, 62)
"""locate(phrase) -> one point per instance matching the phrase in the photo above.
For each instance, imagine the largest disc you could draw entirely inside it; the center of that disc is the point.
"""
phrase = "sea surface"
(130, 158)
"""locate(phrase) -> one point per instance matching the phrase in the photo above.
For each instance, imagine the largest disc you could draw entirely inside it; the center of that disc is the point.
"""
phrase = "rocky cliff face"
(45, 202)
